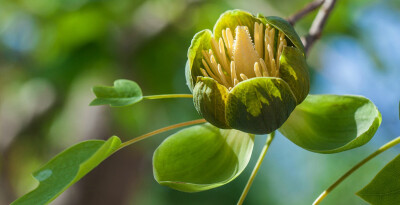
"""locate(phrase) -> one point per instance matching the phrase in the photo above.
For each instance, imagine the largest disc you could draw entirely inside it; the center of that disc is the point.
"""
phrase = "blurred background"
(53, 52)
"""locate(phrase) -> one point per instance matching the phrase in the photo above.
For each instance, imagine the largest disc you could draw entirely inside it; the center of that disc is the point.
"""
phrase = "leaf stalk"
(361, 163)
(270, 137)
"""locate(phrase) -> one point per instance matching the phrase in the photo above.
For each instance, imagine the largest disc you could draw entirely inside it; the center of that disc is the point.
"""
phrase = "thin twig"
(318, 24)
(304, 11)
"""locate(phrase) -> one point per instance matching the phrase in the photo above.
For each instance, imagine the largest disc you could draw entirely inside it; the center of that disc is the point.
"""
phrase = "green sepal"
(209, 99)
(294, 71)
(284, 26)
(201, 41)
(123, 93)
(233, 18)
(332, 123)
(384, 188)
(201, 157)
(259, 105)
(67, 168)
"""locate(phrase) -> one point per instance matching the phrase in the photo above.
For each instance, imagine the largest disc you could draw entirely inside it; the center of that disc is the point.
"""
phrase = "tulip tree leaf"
(67, 168)
(201, 157)
(384, 189)
(332, 123)
(123, 93)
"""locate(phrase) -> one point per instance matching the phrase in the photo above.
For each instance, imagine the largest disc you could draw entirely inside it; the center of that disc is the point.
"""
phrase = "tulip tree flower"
(249, 76)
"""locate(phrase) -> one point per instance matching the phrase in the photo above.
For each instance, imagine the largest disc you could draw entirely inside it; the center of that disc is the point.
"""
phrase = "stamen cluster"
(242, 56)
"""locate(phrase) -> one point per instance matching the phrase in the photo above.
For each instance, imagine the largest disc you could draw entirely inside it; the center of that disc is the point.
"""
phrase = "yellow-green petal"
(209, 99)
(200, 42)
(284, 26)
(294, 71)
(233, 18)
(259, 105)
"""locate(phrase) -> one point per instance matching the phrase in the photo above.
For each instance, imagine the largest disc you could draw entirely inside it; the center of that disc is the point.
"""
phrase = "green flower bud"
(249, 74)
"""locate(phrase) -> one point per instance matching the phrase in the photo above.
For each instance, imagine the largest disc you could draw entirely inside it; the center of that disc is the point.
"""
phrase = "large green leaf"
(124, 92)
(67, 168)
(332, 123)
(384, 189)
(201, 157)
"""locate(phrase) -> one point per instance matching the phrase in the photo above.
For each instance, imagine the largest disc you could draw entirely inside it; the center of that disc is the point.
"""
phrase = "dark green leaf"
(384, 189)
(332, 123)
(201, 157)
(124, 92)
(67, 168)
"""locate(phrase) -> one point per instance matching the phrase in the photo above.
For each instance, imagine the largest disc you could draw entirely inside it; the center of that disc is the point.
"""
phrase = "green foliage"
(201, 157)
(332, 123)
(384, 189)
(124, 93)
(67, 168)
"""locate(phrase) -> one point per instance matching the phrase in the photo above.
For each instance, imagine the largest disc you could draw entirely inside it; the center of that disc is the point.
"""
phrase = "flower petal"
(200, 42)
(209, 99)
(259, 105)
(332, 123)
(284, 26)
(294, 71)
(202, 157)
(233, 18)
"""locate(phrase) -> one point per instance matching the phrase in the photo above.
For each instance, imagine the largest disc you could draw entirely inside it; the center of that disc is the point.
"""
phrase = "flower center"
(232, 60)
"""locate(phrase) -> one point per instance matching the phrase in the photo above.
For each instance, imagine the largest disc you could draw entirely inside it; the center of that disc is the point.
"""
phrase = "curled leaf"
(332, 123)
(201, 157)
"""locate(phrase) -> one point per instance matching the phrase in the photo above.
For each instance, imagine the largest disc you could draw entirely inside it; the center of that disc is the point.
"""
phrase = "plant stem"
(270, 137)
(318, 24)
(137, 139)
(153, 97)
(348, 173)
(304, 11)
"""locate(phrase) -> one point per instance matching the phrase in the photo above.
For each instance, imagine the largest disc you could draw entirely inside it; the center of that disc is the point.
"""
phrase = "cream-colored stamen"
(233, 72)
(243, 76)
(208, 69)
(258, 38)
(204, 72)
(266, 73)
(222, 75)
(271, 59)
(257, 70)
(240, 54)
